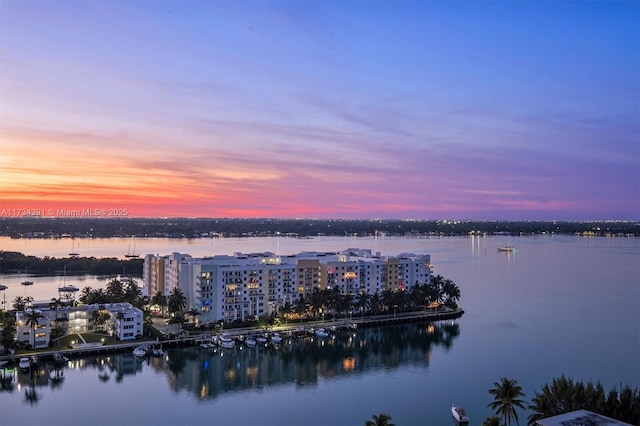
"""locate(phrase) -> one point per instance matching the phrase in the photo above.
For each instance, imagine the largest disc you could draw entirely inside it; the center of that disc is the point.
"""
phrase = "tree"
(301, 306)
(176, 301)
(115, 291)
(19, 303)
(381, 419)
(451, 294)
(286, 310)
(33, 318)
(160, 300)
(491, 421)
(564, 395)
(506, 394)
(318, 300)
(193, 314)
(177, 320)
(363, 302)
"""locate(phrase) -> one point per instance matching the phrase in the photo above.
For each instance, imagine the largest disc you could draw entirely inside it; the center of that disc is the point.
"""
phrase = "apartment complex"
(121, 320)
(243, 286)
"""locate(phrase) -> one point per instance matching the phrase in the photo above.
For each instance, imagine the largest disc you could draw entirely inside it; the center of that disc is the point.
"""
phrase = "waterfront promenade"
(195, 338)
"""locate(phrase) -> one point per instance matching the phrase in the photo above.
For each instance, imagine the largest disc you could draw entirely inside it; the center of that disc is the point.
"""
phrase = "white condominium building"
(243, 286)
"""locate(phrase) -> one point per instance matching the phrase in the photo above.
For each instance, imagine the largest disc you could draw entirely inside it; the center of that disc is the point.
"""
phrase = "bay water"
(558, 305)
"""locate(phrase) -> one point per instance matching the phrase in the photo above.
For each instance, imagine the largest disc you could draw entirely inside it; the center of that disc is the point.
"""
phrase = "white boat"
(276, 338)
(261, 339)
(250, 342)
(24, 363)
(140, 351)
(157, 352)
(58, 358)
(66, 288)
(459, 414)
(226, 342)
(322, 333)
(506, 248)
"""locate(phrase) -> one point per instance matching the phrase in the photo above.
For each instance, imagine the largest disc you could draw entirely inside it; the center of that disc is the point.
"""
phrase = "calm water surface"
(560, 304)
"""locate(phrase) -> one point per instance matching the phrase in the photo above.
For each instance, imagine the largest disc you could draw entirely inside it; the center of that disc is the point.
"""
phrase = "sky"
(431, 110)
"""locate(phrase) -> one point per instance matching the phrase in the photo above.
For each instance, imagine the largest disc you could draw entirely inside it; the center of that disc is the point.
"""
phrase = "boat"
(262, 340)
(276, 338)
(140, 351)
(24, 363)
(65, 288)
(157, 352)
(226, 342)
(506, 248)
(250, 342)
(322, 333)
(459, 414)
(131, 254)
(58, 358)
(73, 252)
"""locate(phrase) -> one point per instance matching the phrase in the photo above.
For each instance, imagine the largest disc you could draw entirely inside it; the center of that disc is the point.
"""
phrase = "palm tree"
(451, 293)
(19, 304)
(115, 291)
(381, 419)
(375, 302)
(193, 313)
(160, 300)
(32, 319)
(505, 394)
(301, 306)
(177, 320)
(491, 421)
(318, 300)
(363, 302)
(286, 310)
(176, 301)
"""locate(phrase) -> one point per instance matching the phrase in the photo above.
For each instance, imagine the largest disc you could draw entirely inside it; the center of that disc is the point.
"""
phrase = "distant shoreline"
(43, 227)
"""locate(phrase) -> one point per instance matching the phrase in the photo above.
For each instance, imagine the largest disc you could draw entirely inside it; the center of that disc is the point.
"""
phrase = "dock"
(337, 326)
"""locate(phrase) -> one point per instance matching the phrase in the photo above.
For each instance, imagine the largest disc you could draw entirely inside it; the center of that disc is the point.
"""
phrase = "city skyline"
(391, 110)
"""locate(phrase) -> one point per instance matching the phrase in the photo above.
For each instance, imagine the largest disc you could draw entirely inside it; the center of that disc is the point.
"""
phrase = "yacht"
(322, 333)
(140, 351)
(459, 414)
(24, 363)
(226, 342)
(276, 338)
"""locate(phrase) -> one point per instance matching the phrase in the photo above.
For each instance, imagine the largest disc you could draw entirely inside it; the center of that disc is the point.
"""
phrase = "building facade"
(121, 320)
(245, 286)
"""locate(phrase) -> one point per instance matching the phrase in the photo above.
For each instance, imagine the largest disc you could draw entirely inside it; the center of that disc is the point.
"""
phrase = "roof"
(580, 418)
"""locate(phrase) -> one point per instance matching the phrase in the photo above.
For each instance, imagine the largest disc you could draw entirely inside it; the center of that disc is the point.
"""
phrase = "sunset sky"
(322, 109)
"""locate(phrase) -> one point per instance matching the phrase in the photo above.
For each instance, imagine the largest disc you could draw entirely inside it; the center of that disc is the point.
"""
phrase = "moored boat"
(226, 342)
(24, 363)
(58, 358)
(506, 248)
(140, 351)
(250, 342)
(276, 338)
(459, 414)
(322, 333)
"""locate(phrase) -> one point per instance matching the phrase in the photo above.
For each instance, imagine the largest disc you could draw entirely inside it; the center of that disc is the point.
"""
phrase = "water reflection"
(208, 373)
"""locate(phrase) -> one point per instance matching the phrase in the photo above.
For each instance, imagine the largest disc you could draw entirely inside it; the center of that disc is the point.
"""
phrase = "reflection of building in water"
(207, 373)
(242, 286)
